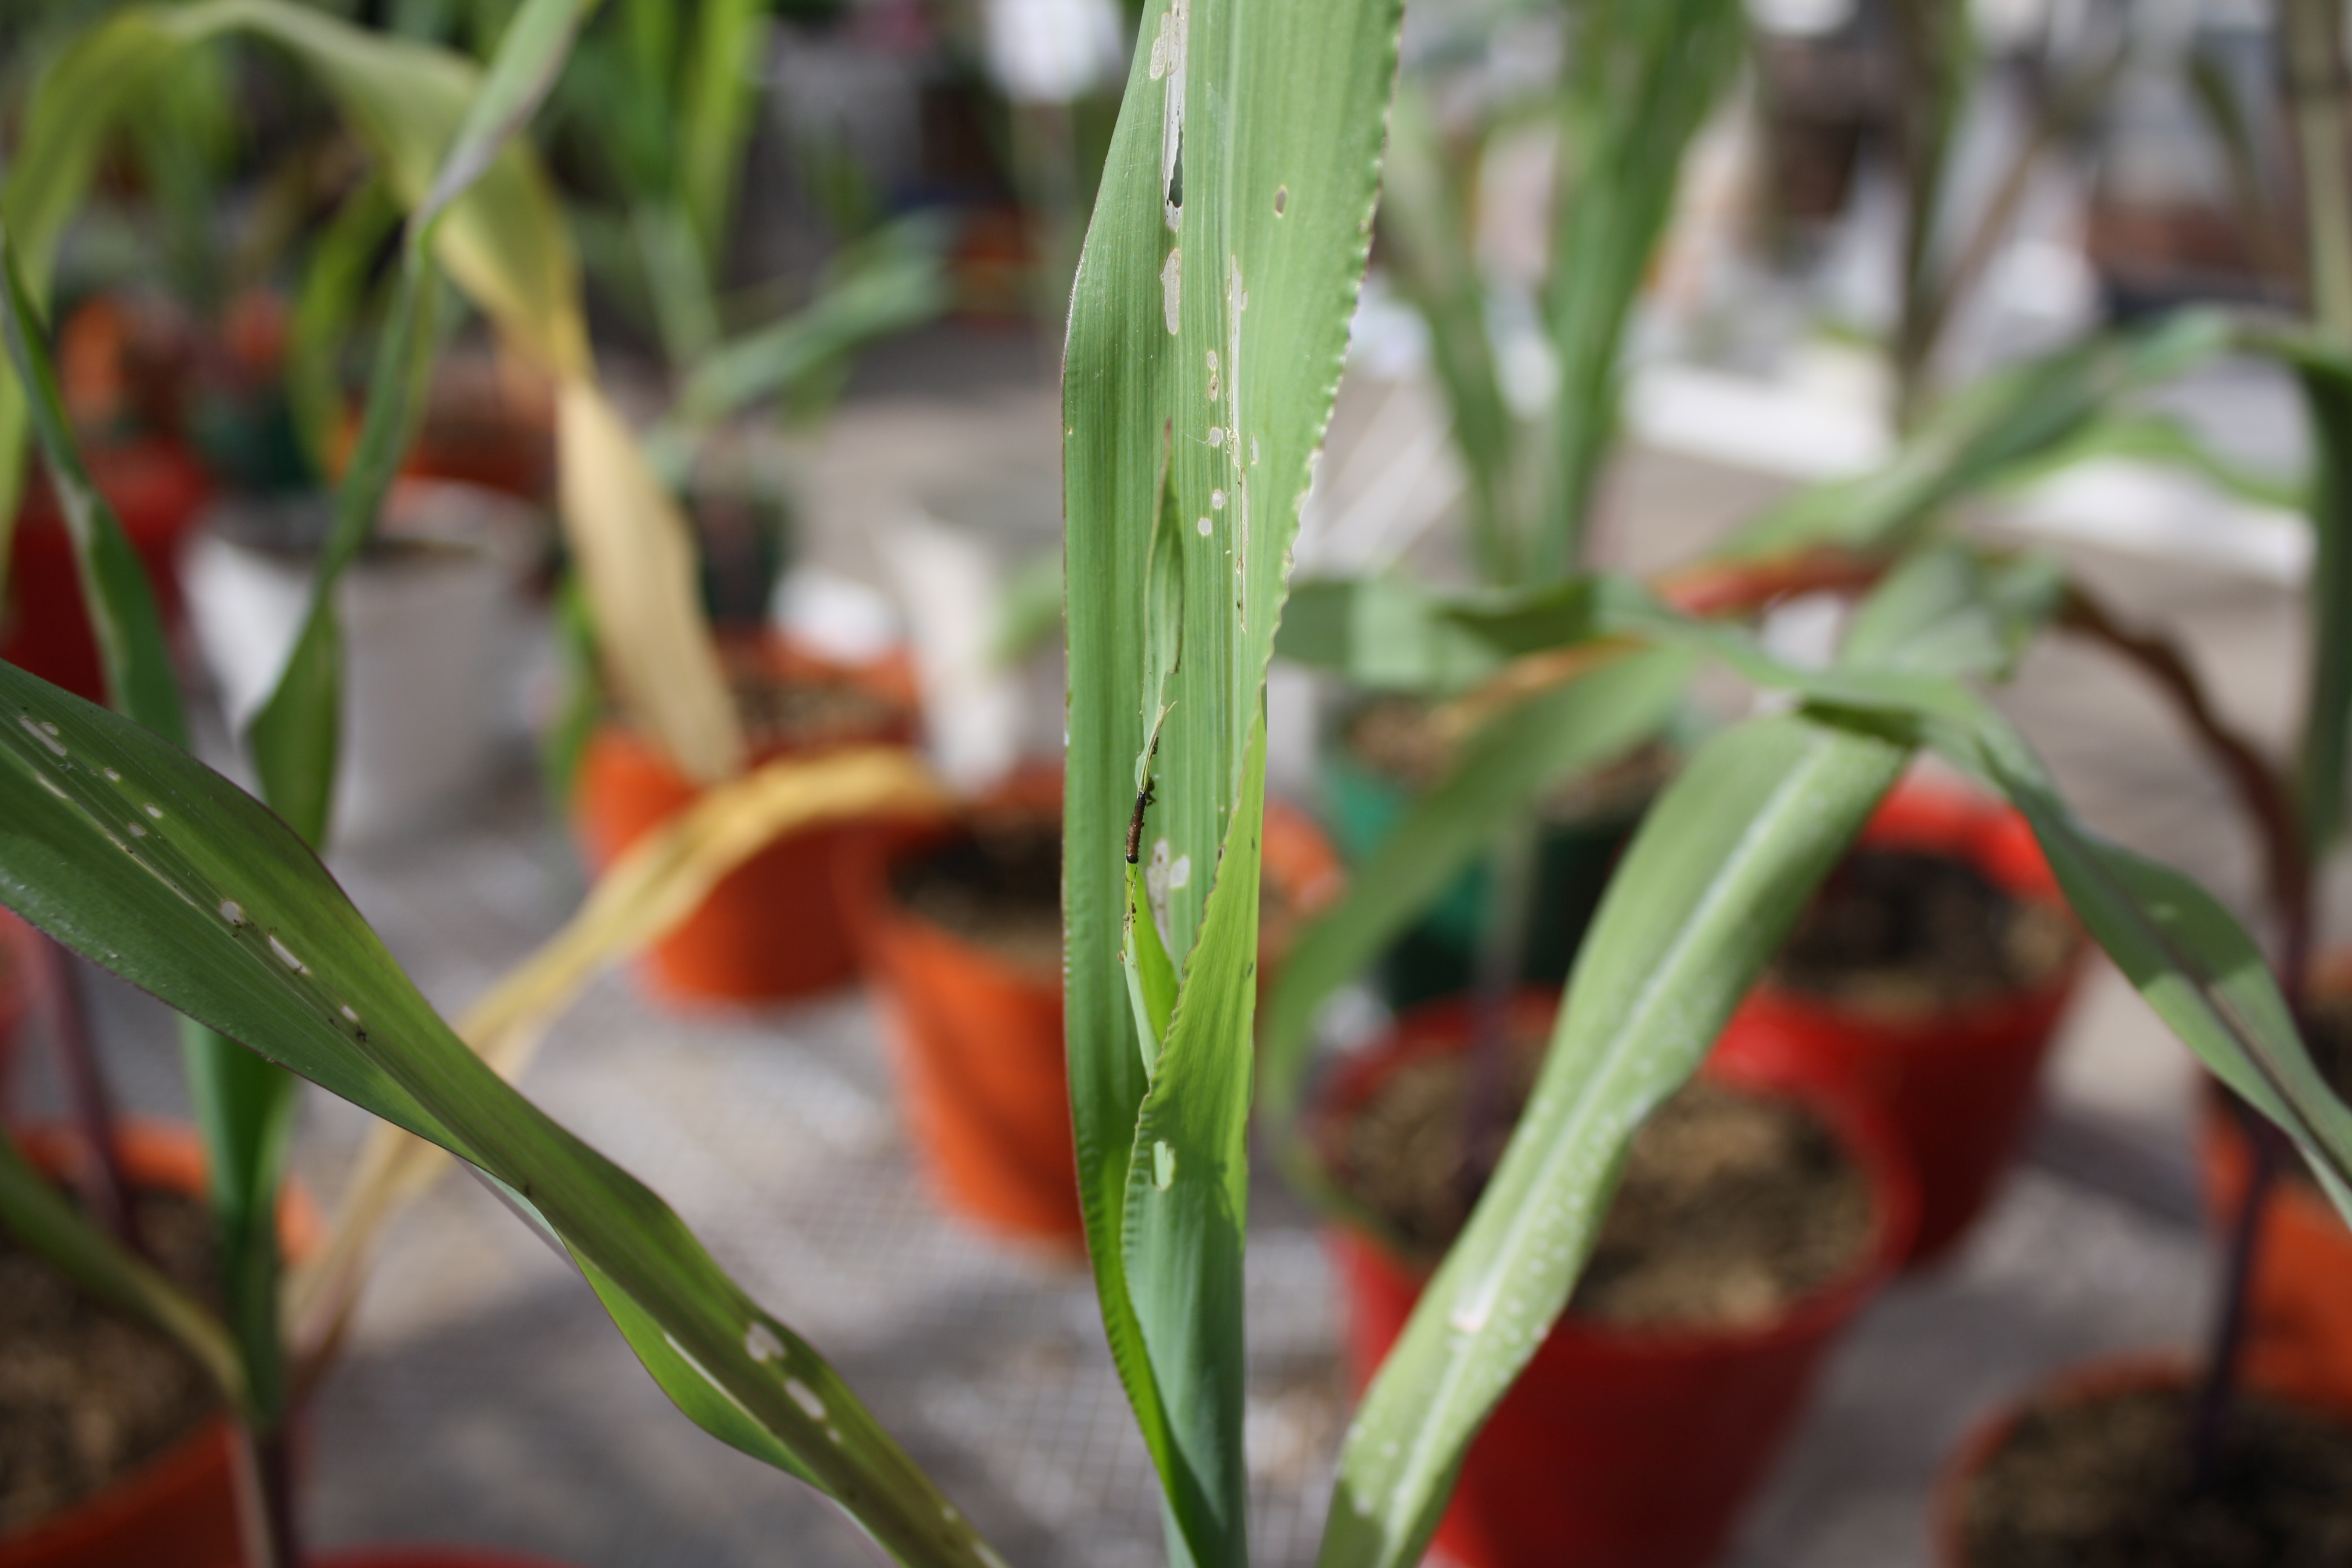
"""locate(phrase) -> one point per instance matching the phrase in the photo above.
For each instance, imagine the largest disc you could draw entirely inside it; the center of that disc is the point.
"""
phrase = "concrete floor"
(486, 1399)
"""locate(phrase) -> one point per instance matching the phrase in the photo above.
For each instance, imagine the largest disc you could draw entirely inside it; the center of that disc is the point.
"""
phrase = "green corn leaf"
(2197, 968)
(1953, 608)
(1188, 1198)
(2328, 394)
(2184, 952)
(79, 98)
(1642, 75)
(327, 307)
(243, 1107)
(885, 284)
(1207, 329)
(720, 95)
(1712, 878)
(1389, 634)
(119, 601)
(1424, 224)
(128, 851)
(296, 735)
(2004, 426)
(1502, 771)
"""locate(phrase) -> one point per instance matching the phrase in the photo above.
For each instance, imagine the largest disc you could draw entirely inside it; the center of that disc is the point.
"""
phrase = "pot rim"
(1932, 815)
(2076, 1383)
(1858, 1130)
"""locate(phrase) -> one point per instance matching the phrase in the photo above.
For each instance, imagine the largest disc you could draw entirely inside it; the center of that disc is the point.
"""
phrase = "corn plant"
(1205, 344)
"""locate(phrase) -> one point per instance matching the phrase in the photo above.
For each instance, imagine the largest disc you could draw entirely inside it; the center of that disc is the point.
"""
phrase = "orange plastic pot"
(2079, 1386)
(1617, 1449)
(181, 1507)
(156, 487)
(983, 1079)
(1959, 1085)
(775, 928)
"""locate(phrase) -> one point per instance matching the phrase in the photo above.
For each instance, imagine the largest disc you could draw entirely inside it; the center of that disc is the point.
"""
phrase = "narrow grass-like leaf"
(243, 1107)
(2184, 952)
(1424, 224)
(2328, 736)
(1502, 771)
(1391, 634)
(1207, 329)
(1642, 77)
(120, 603)
(131, 853)
(1712, 880)
(1188, 1197)
(2003, 426)
(296, 735)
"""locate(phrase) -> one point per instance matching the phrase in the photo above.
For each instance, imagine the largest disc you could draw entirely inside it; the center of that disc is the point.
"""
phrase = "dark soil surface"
(1000, 888)
(87, 1394)
(2104, 1484)
(803, 715)
(1733, 1208)
(1394, 738)
(1905, 933)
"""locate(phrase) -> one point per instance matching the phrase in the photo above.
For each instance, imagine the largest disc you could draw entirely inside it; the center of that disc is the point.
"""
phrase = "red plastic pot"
(156, 487)
(181, 1506)
(2080, 1385)
(775, 928)
(982, 1073)
(1958, 1086)
(1616, 1449)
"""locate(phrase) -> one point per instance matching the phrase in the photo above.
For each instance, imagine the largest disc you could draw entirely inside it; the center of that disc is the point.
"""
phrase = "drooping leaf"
(131, 853)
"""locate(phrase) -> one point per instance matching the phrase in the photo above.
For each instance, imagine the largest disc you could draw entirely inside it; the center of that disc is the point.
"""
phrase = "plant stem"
(2261, 792)
(265, 1484)
(2216, 1386)
(1486, 1108)
(106, 1192)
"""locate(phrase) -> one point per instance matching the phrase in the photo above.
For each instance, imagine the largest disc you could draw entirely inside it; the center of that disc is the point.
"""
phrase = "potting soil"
(1733, 1206)
(88, 1394)
(796, 715)
(2104, 1483)
(1903, 932)
(998, 887)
